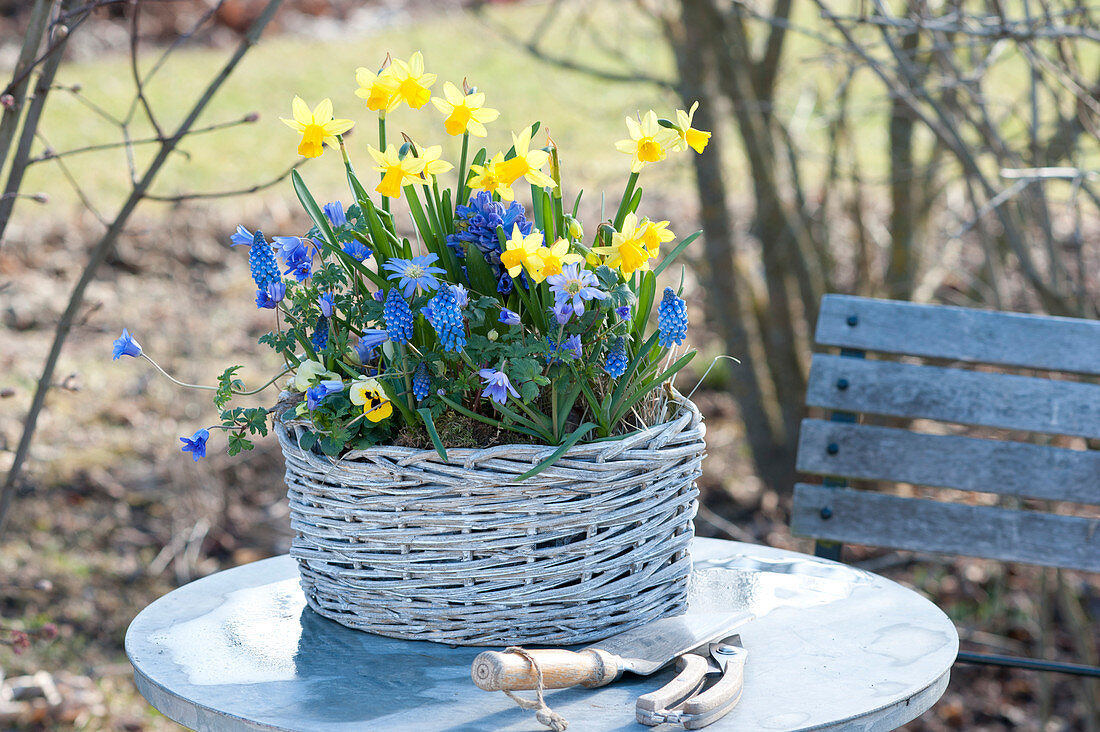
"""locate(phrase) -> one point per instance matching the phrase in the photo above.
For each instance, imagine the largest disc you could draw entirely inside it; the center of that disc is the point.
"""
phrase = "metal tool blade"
(647, 648)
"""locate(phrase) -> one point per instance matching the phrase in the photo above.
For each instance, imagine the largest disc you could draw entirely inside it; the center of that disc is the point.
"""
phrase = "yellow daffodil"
(689, 137)
(378, 89)
(308, 373)
(487, 178)
(433, 166)
(397, 172)
(411, 84)
(317, 127)
(465, 112)
(648, 143)
(627, 252)
(522, 253)
(368, 393)
(654, 235)
(526, 163)
(554, 257)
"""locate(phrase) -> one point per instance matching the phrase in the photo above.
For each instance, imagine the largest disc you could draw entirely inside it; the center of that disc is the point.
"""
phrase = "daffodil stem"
(462, 169)
(382, 148)
(631, 182)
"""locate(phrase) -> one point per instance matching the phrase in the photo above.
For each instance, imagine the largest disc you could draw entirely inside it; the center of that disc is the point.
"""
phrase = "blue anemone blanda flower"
(414, 273)
(271, 296)
(316, 394)
(326, 302)
(575, 285)
(508, 317)
(241, 236)
(125, 345)
(370, 340)
(497, 385)
(196, 444)
(335, 213)
(356, 250)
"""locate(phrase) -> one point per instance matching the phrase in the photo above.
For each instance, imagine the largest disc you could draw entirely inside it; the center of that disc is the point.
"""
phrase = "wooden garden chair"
(895, 418)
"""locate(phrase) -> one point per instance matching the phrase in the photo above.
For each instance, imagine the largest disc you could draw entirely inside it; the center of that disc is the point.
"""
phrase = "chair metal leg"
(1035, 664)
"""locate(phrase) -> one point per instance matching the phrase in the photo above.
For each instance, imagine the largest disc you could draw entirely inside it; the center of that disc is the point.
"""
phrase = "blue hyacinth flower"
(261, 261)
(422, 383)
(398, 317)
(615, 365)
(672, 319)
(445, 315)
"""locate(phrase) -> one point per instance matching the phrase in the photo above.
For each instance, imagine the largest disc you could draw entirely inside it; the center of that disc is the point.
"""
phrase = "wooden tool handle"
(496, 671)
(718, 700)
(692, 677)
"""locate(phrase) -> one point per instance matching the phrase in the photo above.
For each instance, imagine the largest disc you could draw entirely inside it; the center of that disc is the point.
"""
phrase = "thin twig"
(106, 245)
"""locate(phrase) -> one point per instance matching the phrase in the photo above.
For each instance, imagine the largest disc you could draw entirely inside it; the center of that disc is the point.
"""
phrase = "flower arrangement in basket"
(491, 338)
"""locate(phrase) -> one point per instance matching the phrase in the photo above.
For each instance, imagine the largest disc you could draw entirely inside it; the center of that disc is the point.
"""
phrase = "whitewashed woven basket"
(399, 542)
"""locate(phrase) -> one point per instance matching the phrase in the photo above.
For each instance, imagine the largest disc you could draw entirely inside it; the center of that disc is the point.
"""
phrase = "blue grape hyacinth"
(672, 319)
(398, 316)
(422, 383)
(615, 365)
(261, 260)
(445, 315)
(320, 334)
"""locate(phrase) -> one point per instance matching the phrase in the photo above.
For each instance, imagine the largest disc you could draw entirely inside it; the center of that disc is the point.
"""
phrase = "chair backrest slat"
(863, 517)
(955, 395)
(880, 384)
(869, 452)
(963, 334)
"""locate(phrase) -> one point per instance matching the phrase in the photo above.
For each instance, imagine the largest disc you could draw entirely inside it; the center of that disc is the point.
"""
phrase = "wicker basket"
(399, 542)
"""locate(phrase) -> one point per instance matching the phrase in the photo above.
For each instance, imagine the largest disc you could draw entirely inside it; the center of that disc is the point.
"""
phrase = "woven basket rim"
(521, 451)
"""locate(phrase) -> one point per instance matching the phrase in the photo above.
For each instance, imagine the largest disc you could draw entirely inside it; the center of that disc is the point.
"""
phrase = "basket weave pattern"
(399, 542)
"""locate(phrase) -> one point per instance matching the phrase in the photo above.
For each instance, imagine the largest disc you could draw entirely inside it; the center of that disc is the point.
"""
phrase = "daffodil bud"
(576, 231)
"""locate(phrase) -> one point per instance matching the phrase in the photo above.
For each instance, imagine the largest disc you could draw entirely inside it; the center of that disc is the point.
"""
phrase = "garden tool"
(682, 700)
(643, 650)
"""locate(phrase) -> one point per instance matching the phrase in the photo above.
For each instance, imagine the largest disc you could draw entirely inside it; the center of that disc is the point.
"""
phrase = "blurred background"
(912, 149)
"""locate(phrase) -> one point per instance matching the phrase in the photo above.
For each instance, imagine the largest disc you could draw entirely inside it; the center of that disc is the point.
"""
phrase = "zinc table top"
(832, 647)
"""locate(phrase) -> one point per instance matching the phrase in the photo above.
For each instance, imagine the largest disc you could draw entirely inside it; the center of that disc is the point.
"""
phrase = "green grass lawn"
(583, 114)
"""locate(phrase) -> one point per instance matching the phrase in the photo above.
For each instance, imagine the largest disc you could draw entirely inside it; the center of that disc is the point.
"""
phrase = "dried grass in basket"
(397, 541)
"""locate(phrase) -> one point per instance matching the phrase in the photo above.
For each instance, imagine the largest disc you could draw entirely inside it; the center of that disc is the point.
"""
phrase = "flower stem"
(462, 169)
(173, 379)
(631, 182)
(382, 148)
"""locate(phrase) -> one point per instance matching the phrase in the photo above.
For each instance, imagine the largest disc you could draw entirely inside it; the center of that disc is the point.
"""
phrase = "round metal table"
(832, 647)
